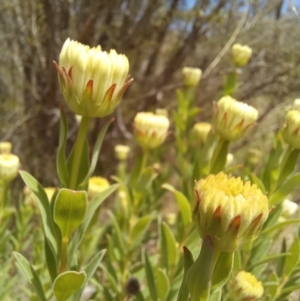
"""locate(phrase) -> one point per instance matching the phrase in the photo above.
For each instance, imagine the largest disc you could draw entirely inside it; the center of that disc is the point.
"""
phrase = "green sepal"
(69, 210)
(30, 274)
(68, 283)
(222, 270)
(44, 207)
(199, 276)
(188, 261)
(95, 155)
(61, 161)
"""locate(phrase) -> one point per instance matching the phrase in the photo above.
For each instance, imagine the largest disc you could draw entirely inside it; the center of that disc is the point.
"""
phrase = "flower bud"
(5, 147)
(296, 104)
(96, 185)
(241, 55)
(289, 208)
(201, 131)
(9, 166)
(150, 129)
(253, 157)
(191, 76)
(232, 118)
(291, 129)
(229, 211)
(92, 81)
(245, 287)
(122, 152)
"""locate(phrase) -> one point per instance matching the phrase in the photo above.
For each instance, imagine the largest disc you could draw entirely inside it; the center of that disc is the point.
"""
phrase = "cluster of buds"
(191, 76)
(229, 211)
(201, 131)
(150, 129)
(232, 118)
(241, 55)
(245, 287)
(291, 130)
(92, 81)
(96, 185)
(122, 152)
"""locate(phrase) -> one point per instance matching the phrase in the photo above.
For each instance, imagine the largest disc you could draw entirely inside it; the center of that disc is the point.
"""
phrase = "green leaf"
(199, 276)
(90, 270)
(119, 243)
(61, 162)
(67, 283)
(182, 202)
(281, 261)
(149, 277)
(188, 261)
(96, 153)
(30, 274)
(145, 179)
(216, 296)
(220, 156)
(139, 230)
(44, 207)
(222, 270)
(168, 249)
(162, 284)
(284, 189)
(280, 225)
(69, 210)
(230, 83)
(256, 180)
(50, 260)
(292, 260)
(261, 246)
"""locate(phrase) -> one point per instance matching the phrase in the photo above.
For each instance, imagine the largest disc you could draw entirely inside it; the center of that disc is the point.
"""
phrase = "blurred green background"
(159, 37)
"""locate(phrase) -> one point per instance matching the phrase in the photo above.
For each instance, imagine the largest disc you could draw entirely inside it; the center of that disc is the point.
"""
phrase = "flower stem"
(64, 254)
(144, 160)
(219, 157)
(84, 124)
(3, 191)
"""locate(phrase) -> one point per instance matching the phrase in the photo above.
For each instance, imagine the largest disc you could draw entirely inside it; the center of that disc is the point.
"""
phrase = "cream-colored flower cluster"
(245, 287)
(232, 118)
(229, 211)
(9, 163)
(191, 76)
(150, 129)
(241, 55)
(122, 152)
(291, 130)
(92, 81)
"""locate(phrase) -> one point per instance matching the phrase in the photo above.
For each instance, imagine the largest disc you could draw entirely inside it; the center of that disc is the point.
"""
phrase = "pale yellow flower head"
(122, 152)
(201, 131)
(232, 118)
(289, 208)
(150, 129)
(245, 287)
(96, 185)
(50, 192)
(291, 130)
(229, 211)
(5, 147)
(191, 76)
(296, 104)
(9, 166)
(92, 81)
(241, 55)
